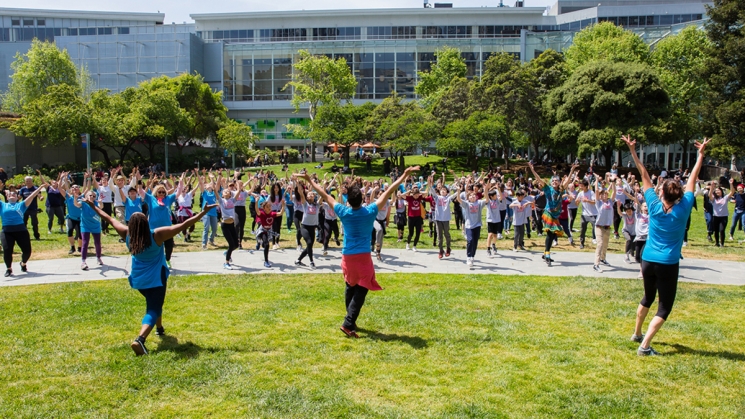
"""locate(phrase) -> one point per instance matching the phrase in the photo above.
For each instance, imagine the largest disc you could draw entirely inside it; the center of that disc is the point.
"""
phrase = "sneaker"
(84, 266)
(399, 241)
(407, 246)
(571, 241)
(499, 236)
(469, 262)
(556, 242)
(258, 245)
(523, 248)
(646, 352)
(350, 333)
(276, 246)
(413, 249)
(325, 252)
(49, 232)
(626, 259)
(581, 246)
(300, 249)
(71, 252)
(204, 247)
(168, 263)
(709, 238)
(597, 268)
(100, 262)
(605, 262)
(514, 249)
(8, 272)
(494, 248)
(160, 331)
(212, 243)
(338, 243)
(138, 345)
(637, 338)
(298, 263)
(686, 243)
(488, 251)
(594, 241)
(439, 255)
(616, 236)
(227, 266)
(447, 252)
(267, 265)
(312, 265)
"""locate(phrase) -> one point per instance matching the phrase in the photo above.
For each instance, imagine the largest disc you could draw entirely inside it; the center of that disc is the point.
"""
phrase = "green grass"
(431, 346)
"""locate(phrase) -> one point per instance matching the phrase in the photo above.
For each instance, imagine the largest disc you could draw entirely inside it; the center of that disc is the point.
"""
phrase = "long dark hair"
(139, 233)
(273, 195)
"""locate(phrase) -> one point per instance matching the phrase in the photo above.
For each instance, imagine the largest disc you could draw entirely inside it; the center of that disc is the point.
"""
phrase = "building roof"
(83, 14)
(370, 12)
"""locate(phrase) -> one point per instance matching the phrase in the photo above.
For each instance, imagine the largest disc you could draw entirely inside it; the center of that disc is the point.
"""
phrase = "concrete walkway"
(394, 260)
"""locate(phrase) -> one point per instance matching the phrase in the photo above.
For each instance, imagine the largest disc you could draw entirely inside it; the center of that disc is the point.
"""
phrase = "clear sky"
(178, 10)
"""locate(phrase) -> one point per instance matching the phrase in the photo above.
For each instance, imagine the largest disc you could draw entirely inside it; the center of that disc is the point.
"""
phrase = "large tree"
(681, 61)
(235, 137)
(480, 131)
(319, 80)
(449, 65)
(343, 125)
(726, 74)
(605, 42)
(603, 100)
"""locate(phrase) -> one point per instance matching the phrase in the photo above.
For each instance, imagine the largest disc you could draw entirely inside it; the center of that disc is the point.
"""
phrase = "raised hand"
(629, 142)
(702, 145)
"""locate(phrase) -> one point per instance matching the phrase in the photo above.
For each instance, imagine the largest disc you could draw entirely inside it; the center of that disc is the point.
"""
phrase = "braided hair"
(139, 233)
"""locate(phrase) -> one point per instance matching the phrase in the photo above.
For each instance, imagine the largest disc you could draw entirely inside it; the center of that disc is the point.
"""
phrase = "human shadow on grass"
(186, 350)
(413, 341)
(685, 350)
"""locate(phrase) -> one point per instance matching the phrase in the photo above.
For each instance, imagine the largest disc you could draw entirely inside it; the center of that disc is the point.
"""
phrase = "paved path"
(394, 260)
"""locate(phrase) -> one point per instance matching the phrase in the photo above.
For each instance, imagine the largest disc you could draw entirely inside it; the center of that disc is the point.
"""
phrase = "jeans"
(737, 218)
(586, 219)
(210, 223)
(472, 241)
(289, 212)
(354, 297)
(707, 218)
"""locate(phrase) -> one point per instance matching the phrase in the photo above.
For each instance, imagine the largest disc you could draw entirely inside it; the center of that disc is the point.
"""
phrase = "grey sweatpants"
(443, 229)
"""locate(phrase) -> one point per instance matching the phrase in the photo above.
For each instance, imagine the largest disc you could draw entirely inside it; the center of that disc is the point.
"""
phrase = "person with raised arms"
(668, 211)
(14, 229)
(149, 272)
(356, 259)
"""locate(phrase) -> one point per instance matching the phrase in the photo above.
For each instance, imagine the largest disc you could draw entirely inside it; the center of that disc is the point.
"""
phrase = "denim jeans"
(289, 212)
(210, 223)
(737, 218)
(707, 218)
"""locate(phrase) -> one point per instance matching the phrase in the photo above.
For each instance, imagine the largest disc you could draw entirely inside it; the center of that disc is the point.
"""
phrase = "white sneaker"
(686, 243)
(407, 246)
(594, 241)
(499, 236)
(556, 242)
(730, 239)
(300, 249)
(627, 259)
(413, 249)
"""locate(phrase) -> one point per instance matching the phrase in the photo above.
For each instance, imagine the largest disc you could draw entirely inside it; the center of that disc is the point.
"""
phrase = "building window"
(123, 31)
(104, 31)
(283, 35)
(391, 32)
(41, 22)
(28, 22)
(15, 22)
(447, 31)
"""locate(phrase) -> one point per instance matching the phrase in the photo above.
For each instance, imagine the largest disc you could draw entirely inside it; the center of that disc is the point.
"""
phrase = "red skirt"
(359, 270)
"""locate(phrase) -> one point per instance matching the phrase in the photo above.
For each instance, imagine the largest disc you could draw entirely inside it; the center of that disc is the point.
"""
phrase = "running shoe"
(556, 242)
(626, 259)
(298, 263)
(84, 266)
(325, 252)
(413, 249)
(267, 265)
(350, 333)
(227, 266)
(8, 272)
(24, 267)
(494, 248)
(138, 345)
(300, 249)
(571, 241)
(604, 262)
(499, 236)
(686, 243)
(581, 246)
(447, 252)
(616, 236)
(646, 352)
(440, 254)
(49, 232)
(312, 265)
(730, 238)
(212, 242)
(407, 246)
(594, 241)
(258, 245)
(204, 247)
(100, 262)
(597, 268)
(636, 338)
(488, 251)
(470, 263)
(71, 252)
(160, 331)
(523, 248)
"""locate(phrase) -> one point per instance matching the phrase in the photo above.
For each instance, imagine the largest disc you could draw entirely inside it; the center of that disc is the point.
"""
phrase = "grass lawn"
(431, 346)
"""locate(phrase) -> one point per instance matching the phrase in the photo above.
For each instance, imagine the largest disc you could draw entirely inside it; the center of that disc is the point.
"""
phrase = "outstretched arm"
(33, 195)
(538, 178)
(162, 234)
(646, 180)
(321, 192)
(380, 202)
(119, 227)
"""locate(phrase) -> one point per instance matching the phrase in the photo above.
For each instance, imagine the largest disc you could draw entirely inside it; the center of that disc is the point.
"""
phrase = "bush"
(336, 156)
(294, 155)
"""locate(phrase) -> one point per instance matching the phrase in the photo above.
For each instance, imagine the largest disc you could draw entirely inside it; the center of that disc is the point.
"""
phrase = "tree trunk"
(684, 158)
(105, 153)
(608, 156)
(345, 153)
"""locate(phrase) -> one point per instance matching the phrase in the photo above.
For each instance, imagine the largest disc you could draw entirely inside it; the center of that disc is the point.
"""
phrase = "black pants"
(565, 226)
(519, 236)
(240, 212)
(688, 227)
(231, 235)
(458, 215)
(472, 241)
(276, 228)
(719, 225)
(34, 215)
(630, 247)
(332, 228)
(616, 222)
(263, 238)
(572, 217)
(55, 211)
(662, 279)
(354, 297)
(108, 209)
(309, 235)
(415, 227)
(252, 211)
(587, 219)
(296, 219)
(500, 224)
(73, 228)
(168, 244)
(638, 249)
(550, 237)
(9, 240)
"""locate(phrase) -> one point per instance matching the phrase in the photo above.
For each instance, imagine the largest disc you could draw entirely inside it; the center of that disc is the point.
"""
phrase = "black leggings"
(264, 240)
(630, 248)
(639, 248)
(458, 216)
(663, 279)
(252, 211)
(276, 228)
(228, 231)
(332, 228)
(500, 224)
(309, 235)
(616, 222)
(9, 240)
(415, 227)
(296, 219)
(719, 225)
(572, 217)
(240, 213)
(108, 209)
(550, 237)
(168, 244)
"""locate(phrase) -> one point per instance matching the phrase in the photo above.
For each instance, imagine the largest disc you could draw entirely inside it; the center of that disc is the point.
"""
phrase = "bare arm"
(380, 202)
(693, 178)
(162, 234)
(33, 195)
(532, 169)
(321, 192)
(646, 180)
(119, 227)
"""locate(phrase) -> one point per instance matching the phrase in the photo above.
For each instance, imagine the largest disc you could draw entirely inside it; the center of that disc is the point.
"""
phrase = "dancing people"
(14, 228)
(668, 211)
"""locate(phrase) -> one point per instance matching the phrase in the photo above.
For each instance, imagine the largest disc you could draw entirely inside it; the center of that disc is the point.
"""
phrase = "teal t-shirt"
(666, 231)
(358, 226)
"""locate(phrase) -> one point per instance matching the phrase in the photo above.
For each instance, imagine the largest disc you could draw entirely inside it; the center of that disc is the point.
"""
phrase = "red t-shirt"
(415, 205)
(564, 211)
(266, 220)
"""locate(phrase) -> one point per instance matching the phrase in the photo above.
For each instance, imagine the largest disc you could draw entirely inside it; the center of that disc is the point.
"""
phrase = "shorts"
(491, 228)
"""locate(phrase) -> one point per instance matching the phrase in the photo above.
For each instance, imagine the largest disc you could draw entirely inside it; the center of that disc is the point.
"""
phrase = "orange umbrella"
(369, 145)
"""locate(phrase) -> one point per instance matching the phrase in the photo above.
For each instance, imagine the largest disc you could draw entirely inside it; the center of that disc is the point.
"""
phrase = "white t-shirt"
(117, 197)
(588, 209)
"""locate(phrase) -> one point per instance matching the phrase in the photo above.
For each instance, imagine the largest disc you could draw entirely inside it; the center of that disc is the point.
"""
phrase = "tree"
(482, 130)
(343, 125)
(450, 65)
(236, 137)
(55, 117)
(681, 61)
(603, 100)
(454, 103)
(320, 80)
(43, 66)
(726, 74)
(608, 42)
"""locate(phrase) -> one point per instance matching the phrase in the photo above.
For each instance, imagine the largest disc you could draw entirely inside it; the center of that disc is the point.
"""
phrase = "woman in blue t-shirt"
(90, 223)
(149, 272)
(668, 213)
(14, 229)
(159, 214)
(73, 216)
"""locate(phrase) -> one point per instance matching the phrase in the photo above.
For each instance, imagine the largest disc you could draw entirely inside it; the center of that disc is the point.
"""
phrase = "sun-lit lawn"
(431, 346)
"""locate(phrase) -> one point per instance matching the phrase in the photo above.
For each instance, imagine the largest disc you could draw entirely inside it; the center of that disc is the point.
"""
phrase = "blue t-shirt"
(208, 198)
(131, 207)
(91, 221)
(24, 193)
(12, 214)
(147, 267)
(73, 212)
(666, 231)
(159, 215)
(358, 225)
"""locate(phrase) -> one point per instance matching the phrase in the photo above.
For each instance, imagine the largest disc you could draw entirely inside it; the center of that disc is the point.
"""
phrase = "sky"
(178, 10)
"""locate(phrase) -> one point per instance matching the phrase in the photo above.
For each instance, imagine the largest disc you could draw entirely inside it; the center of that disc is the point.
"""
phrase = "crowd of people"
(149, 214)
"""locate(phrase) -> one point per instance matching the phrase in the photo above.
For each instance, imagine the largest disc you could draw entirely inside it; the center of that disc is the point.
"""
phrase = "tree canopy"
(449, 65)
(605, 42)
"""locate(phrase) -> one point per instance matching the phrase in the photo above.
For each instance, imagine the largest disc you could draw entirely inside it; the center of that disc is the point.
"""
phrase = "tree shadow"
(186, 350)
(684, 350)
(413, 341)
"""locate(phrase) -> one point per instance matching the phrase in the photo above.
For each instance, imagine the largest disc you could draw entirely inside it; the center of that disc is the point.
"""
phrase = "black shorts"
(491, 228)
